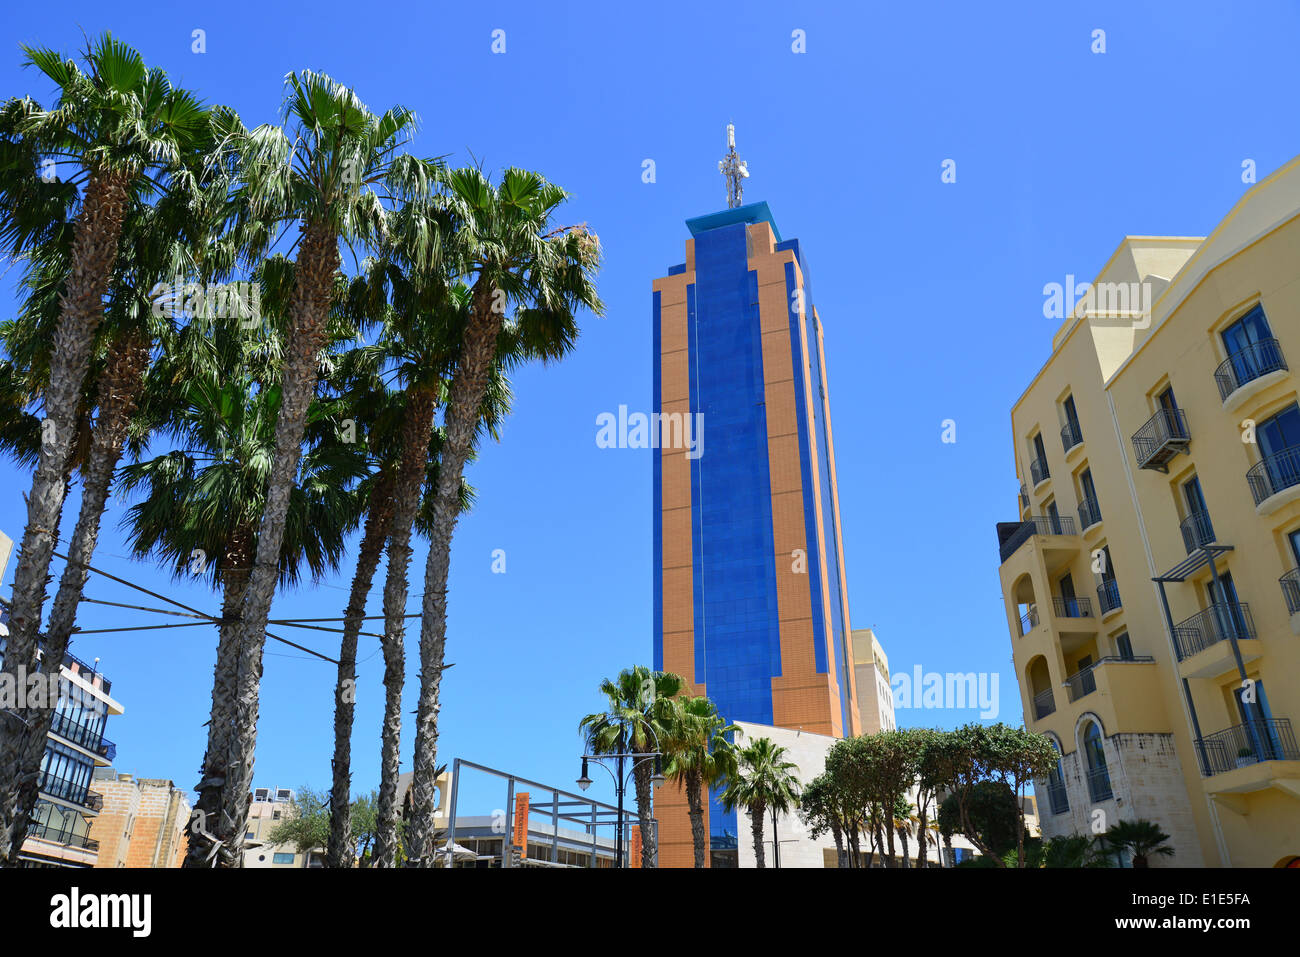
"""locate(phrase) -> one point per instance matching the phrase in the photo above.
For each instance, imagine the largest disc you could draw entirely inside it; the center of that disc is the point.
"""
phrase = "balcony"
(1251, 363)
(1197, 531)
(65, 789)
(1029, 620)
(1162, 437)
(1290, 583)
(1259, 740)
(1273, 476)
(1011, 535)
(1039, 472)
(1108, 596)
(89, 737)
(61, 836)
(1204, 643)
(1089, 513)
(1084, 682)
(1057, 798)
(1024, 496)
(1099, 785)
(1071, 435)
(1044, 704)
(1072, 607)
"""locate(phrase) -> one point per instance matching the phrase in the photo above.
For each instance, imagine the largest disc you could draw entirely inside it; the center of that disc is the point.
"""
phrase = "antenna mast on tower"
(734, 169)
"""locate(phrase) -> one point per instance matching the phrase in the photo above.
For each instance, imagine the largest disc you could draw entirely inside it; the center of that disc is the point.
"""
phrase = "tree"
(1075, 850)
(699, 757)
(1142, 839)
(323, 179)
(199, 503)
(636, 720)
(503, 239)
(306, 827)
(821, 810)
(763, 779)
(116, 125)
(989, 818)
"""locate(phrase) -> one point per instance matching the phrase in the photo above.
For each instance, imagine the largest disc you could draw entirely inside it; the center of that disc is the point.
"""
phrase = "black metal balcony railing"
(1275, 473)
(1261, 739)
(1038, 470)
(1257, 359)
(1071, 435)
(1217, 623)
(1029, 620)
(1197, 531)
(1072, 607)
(1034, 525)
(1089, 513)
(90, 737)
(66, 789)
(1108, 596)
(61, 836)
(1099, 784)
(1044, 704)
(1291, 589)
(1163, 436)
(1057, 798)
(1084, 681)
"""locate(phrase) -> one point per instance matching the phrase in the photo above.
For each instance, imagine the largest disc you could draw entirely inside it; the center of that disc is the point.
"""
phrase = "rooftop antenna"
(734, 168)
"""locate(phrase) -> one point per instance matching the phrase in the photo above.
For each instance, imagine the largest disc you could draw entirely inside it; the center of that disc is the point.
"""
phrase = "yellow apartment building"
(1152, 580)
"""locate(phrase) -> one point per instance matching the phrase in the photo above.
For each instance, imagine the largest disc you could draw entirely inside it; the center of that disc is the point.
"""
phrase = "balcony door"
(1228, 616)
(1087, 680)
(1257, 719)
(1167, 401)
(1072, 419)
(1068, 599)
(1277, 436)
(1197, 511)
(1054, 517)
(1249, 346)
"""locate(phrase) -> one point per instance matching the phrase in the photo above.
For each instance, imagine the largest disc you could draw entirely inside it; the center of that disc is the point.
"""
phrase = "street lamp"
(621, 779)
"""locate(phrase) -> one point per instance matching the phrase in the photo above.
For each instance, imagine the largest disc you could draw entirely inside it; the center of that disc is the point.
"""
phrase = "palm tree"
(1142, 839)
(636, 720)
(763, 779)
(503, 238)
(200, 503)
(324, 179)
(700, 756)
(116, 124)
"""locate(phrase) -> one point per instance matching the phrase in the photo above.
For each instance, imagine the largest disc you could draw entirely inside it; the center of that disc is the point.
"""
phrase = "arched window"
(1057, 797)
(1098, 773)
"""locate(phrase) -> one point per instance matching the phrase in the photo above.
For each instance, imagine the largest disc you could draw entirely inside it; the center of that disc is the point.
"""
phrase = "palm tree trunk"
(465, 397)
(644, 811)
(201, 829)
(695, 807)
(119, 394)
(922, 835)
(341, 851)
(417, 429)
(81, 307)
(756, 826)
(902, 837)
(317, 263)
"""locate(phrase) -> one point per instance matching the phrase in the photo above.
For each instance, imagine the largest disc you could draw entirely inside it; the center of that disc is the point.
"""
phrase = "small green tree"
(989, 819)
(1142, 839)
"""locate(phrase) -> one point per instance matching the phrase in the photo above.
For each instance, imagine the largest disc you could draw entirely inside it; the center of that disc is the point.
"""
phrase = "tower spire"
(734, 169)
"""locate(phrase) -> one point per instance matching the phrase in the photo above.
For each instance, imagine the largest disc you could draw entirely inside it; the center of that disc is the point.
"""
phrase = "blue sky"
(1059, 153)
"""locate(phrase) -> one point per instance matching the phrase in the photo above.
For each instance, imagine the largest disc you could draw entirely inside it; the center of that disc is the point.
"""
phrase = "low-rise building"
(142, 823)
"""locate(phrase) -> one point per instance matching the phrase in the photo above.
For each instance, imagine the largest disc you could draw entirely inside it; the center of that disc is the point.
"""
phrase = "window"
(1252, 350)
(1071, 434)
(1261, 738)
(1038, 467)
(1054, 517)
(1279, 449)
(282, 858)
(1166, 400)
(1098, 773)
(248, 836)
(275, 815)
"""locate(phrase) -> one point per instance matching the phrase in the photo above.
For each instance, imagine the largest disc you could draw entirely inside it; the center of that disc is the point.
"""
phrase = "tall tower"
(750, 600)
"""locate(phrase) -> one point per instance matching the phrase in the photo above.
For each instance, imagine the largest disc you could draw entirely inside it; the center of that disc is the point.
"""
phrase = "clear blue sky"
(930, 293)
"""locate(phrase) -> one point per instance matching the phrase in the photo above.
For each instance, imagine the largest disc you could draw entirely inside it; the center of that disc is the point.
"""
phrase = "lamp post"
(620, 759)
